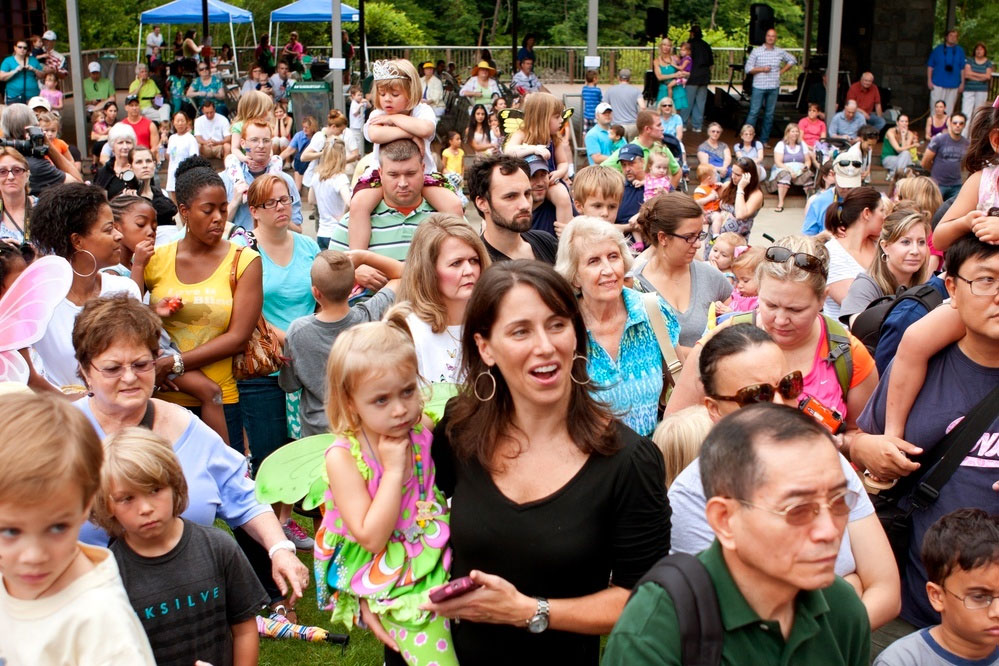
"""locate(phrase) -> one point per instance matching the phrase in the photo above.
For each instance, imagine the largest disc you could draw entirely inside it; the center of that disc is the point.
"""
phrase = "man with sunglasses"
(944, 154)
(777, 531)
(21, 71)
(848, 170)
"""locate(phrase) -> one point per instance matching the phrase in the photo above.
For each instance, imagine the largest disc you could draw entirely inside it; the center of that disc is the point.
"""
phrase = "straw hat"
(483, 65)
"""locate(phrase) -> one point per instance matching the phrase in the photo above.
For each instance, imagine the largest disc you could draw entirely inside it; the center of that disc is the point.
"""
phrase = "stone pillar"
(900, 49)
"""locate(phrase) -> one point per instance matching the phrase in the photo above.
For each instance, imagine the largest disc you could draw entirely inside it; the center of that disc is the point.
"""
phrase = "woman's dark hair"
(474, 125)
(824, 170)
(748, 166)
(190, 34)
(9, 254)
(193, 175)
(841, 216)
(527, 37)
(64, 210)
(981, 151)
(665, 212)
(728, 342)
(964, 539)
(475, 427)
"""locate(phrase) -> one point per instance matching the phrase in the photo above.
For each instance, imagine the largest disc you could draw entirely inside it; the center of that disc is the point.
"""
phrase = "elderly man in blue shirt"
(256, 143)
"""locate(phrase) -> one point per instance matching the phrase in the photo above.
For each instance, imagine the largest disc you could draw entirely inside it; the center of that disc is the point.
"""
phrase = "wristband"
(281, 545)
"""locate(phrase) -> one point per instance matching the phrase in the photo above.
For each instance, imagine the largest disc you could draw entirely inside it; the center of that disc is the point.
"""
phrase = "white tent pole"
(235, 58)
(254, 29)
(337, 43)
(277, 36)
(138, 51)
(270, 31)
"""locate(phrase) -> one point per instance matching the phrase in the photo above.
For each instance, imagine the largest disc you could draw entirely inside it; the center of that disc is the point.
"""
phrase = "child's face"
(709, 179)
(137, 224)
(51, 130)
(721, 255)
(455, 142)
(357, 96)
(659, 167)
(685, 50)
(393, 99)
(50, 81)
(979, 627)
(145, 515)
(279, 112)
(388, 402)
(38, 542)
(555, 123)
(745, 281)
(614, 136)
(493, 122)
(180, 123)
(600, 205)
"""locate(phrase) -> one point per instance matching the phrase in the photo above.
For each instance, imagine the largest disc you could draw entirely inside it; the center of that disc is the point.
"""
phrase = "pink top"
(655, 185)
(740, 303)
(811, 130)
(821, 381)
(54, 97)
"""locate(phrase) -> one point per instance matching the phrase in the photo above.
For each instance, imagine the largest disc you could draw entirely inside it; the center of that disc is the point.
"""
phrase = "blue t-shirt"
(944, 57)
(299, 142)
(591, 97)
(24, 83)
(815, 219)
(671, 125)
(901, 317)
(631, 200)
(954, 385)
(288, 289)
(598, 142)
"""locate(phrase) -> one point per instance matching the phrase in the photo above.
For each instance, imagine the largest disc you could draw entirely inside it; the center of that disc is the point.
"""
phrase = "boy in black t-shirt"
(191, 586)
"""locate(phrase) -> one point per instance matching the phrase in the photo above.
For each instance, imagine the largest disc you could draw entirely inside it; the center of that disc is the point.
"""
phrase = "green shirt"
(95, 92)
(391, 230)
(830, 627)
(146, 92)
(614, 163)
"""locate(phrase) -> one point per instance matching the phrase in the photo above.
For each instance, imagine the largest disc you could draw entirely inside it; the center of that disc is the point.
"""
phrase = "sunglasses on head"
(802, 260)
(848, 163)
(789, 387)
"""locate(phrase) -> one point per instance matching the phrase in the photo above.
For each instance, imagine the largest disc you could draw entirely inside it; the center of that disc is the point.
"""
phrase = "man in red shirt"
(868, 100)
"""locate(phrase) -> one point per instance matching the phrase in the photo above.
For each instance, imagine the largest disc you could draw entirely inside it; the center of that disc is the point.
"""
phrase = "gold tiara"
(386, 70)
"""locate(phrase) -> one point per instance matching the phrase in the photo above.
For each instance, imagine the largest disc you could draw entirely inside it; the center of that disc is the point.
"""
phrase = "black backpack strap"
(697, 612)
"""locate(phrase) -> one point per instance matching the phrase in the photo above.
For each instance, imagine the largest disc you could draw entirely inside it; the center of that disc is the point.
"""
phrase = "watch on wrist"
(178, 364)
(539, 621)
(283, 545)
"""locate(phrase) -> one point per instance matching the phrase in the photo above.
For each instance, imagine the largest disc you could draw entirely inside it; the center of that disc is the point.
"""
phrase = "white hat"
(602, 107)
(848, 167)
(36, 102)
(49, 35)
(94, 67)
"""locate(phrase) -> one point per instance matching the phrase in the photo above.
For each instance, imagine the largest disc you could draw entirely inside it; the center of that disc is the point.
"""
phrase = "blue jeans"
(756, 103)
(264, 416)
(697, 96)
(948, 191)
(876, 121)
(323, 242)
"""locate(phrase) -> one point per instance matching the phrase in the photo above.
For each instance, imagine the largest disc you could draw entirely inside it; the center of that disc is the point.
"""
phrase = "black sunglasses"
(789, 387)
(853, 163)
(802, 260)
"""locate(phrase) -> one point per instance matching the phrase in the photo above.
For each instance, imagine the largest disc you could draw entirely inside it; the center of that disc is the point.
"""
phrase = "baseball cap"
(848, 167)
(428, 64)
(602, 107)
(36, 102)
(536, 164)
(630, 152)
(131, 98)
(49, 35)
(94, 67)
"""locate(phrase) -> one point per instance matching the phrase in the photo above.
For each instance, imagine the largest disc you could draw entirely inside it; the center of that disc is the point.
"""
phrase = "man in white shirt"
(155, 38)
(211, 129)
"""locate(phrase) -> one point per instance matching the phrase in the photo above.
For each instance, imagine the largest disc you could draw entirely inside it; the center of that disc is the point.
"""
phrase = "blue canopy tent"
(310, 11)
(180, 12)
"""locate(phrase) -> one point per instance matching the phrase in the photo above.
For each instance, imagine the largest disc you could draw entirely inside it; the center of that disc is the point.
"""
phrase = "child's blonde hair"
(749, 259)
(253, 105)
(332, 275)
(371, 348)
(923, 191)
(679, 437)
(659, 150)
(46, 444)
(144, 460)
(595, 180)
(704, 171)
(410, 85)
(733, 239)
(539, 107)
(333, 160)
(310, 122)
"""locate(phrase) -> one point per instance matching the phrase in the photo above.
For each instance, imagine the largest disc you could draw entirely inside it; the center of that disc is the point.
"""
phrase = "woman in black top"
(557, 507)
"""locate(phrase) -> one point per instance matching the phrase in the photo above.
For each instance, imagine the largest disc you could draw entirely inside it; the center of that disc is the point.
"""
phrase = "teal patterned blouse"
(632, 384)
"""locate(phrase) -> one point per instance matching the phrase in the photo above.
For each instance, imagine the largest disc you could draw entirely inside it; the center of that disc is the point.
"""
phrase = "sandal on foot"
(779, 209)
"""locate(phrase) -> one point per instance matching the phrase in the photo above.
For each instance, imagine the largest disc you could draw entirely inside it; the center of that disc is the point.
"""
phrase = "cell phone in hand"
(993, 212)
(456, 588)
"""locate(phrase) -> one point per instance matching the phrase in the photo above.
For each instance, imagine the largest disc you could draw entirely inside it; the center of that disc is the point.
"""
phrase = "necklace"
(424, 508)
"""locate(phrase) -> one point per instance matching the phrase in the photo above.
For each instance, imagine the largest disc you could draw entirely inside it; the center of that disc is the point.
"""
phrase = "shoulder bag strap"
(234, 269)
(672, 363)
(840, 354)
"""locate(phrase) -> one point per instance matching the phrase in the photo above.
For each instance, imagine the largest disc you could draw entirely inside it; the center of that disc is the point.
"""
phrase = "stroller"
(680, 155)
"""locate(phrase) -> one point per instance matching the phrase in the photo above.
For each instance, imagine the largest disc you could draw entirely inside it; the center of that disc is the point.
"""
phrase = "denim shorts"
(264, 416)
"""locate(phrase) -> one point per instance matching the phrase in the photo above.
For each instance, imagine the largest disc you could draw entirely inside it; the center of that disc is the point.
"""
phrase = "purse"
(262, 355)
(671, 362)
(940, 464)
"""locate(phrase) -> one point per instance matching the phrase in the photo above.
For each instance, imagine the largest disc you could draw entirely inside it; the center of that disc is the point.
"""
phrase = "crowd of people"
(653, 416)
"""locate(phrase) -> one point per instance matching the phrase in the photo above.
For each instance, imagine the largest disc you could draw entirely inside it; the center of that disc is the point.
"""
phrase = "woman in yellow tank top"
(214, 323)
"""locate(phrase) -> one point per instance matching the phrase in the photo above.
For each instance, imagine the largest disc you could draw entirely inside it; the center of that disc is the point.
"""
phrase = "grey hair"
(16, 120)
(589, 230)
(121, 131)
(141, 65)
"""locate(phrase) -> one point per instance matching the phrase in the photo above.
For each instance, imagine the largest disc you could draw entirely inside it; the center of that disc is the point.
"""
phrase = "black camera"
(33, 146)
(948, 68)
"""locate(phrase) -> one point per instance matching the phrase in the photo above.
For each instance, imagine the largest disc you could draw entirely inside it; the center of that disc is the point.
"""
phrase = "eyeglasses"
(983, 286)
(116, 371)
(273, 203)
(689, 239)
(202, 69)
(789, 387)
(21, 46)
(848, 163)
(665, 106)
(799, 515)
(975, 600)
(957, 122)
(6, 172)
(802, 260)
(259, 141)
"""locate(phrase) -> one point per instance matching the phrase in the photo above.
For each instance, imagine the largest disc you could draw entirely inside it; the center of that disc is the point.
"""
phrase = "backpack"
(867, 325)
(838, 341)
(697, 612)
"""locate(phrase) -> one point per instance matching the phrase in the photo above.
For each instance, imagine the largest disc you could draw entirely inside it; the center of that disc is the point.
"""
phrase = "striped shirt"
(773, 58)
(591, 97)
(391, 230)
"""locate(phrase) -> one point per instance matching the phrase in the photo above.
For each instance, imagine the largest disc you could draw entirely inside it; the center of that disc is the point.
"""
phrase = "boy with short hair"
(961, 555)
(309, 339)
(61, 602)
(707, 197)
(592, 96)
(597, 191)
(191, 586)
(617, 137)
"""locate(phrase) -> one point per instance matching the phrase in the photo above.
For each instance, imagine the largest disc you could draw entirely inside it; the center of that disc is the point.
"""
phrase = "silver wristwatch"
(178, 364)
(539, 621)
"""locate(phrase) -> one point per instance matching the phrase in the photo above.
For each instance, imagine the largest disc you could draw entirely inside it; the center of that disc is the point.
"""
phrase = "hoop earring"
(576, 357)
(884, 256)
(92, 257)
(475, 385)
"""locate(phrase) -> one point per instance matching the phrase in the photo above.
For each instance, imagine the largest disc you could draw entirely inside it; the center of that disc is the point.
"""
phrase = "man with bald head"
(847, 123)
(868, 99)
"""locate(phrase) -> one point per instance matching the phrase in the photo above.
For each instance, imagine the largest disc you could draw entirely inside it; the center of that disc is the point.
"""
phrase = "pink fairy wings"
(25, 311)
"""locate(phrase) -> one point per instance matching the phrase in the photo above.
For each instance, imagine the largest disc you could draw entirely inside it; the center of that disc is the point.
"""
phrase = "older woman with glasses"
(672, 123)
(741, 365)
(673, 224)
(207, 85)
(21, 71)
(623, 355)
